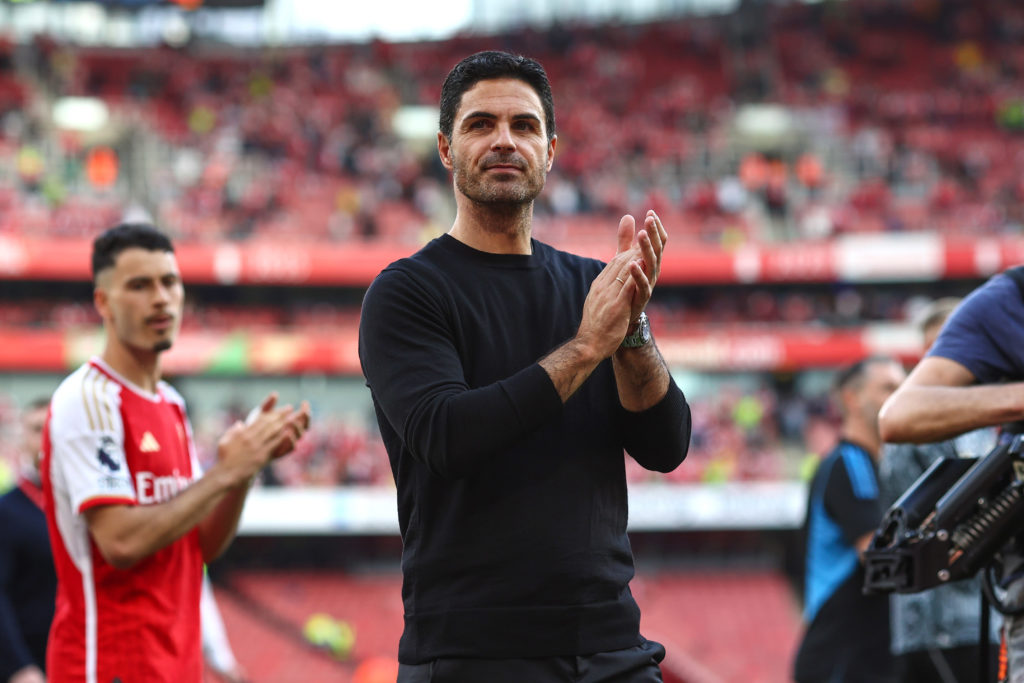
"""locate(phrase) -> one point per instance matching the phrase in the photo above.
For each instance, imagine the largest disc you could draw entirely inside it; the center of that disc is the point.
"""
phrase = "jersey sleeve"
(87, 444)
(852, 498)
(985, 333)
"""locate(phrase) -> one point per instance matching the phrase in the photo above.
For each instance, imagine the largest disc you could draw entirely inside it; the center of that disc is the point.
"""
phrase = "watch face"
(641, 336)
(645, 330)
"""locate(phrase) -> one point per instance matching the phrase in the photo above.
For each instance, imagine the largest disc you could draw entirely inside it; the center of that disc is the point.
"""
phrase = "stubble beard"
(157, 347)
(506, 200)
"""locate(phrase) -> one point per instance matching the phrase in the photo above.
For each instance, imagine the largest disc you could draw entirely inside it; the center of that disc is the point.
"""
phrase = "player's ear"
(100, 300)
(848, 400)
(444, 150)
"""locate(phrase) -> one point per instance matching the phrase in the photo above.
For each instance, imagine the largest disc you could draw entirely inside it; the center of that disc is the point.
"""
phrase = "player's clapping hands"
(650, 242)
(622, 290)
(268, 433)
(606, 311)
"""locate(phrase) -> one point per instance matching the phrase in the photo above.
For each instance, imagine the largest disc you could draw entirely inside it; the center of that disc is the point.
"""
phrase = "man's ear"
(847, 399)
(100, 301)
(551, 151)
(444, 150)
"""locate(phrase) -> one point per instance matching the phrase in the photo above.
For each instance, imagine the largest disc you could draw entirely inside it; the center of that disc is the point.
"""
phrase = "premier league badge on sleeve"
(107, 453)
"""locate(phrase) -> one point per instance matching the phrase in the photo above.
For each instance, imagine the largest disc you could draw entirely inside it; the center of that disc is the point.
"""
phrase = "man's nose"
(503, 137)
(162, 295)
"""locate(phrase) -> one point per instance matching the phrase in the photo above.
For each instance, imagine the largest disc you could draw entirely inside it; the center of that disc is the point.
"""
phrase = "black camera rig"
(951, 523)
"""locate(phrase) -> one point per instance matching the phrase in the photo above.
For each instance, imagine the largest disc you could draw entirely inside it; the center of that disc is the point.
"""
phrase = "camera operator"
(971, 378)
(935, 633)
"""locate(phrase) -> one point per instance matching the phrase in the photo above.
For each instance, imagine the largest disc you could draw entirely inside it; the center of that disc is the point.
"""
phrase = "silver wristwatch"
(642, 335)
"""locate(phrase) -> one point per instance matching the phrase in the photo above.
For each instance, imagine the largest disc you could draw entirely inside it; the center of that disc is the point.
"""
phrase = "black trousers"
(955, 664)
(633, 665)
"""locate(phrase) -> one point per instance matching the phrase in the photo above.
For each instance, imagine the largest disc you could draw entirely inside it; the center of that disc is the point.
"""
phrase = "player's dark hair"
(937, 311)
(489, 65)
(36, 404)
(107, 246)
(852, 375)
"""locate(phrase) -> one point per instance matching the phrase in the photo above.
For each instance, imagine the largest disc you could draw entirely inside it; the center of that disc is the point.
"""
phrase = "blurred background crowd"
(825, 169)
(878, 116)
(764, 126)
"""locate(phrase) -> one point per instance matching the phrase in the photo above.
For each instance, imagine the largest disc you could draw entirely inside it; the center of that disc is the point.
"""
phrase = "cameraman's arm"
(862, 544)
(938, 401)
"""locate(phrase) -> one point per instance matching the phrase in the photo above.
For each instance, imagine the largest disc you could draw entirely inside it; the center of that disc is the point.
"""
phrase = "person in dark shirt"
(935, 633)
(973, 377)
(508, 378)
(847, 633)
(28, 582)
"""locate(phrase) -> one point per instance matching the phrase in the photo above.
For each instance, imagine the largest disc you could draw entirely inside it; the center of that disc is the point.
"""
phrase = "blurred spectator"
(28, 582)
(847, 633)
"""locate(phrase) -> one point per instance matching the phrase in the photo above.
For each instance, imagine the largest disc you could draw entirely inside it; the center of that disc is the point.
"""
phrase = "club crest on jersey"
(107, 453)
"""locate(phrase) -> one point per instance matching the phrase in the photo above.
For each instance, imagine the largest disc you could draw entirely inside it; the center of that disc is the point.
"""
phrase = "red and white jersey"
(107, 442)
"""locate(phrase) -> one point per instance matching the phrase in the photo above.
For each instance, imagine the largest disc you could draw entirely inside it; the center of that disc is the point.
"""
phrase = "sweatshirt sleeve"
(409, 358)
(658, 438)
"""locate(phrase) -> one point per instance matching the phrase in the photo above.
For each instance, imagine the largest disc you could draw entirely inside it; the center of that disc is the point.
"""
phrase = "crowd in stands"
(673, 310)
(903, 116)
(738, 435)
(337, 451)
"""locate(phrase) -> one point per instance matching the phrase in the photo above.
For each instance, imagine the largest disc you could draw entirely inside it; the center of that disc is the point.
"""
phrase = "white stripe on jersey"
(84, 410)
(91, 649)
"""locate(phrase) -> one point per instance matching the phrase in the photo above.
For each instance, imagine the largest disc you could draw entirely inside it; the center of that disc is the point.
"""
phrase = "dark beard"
(512, 199)
(162, 346)
(508, 201)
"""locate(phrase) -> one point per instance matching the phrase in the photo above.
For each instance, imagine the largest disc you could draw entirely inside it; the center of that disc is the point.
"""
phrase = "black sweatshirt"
(28, 582)
(512, 507)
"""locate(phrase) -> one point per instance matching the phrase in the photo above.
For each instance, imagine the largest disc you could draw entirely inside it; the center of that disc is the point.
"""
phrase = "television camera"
(955, 520)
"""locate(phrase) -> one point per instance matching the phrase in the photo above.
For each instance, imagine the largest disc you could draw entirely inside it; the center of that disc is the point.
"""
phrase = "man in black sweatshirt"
(508, 378)
(28, 581)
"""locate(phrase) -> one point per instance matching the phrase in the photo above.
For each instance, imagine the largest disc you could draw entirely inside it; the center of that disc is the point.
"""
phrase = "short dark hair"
(851, 375)
(36, 404)
(488, 65)
(937, 311)
(107, 246)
